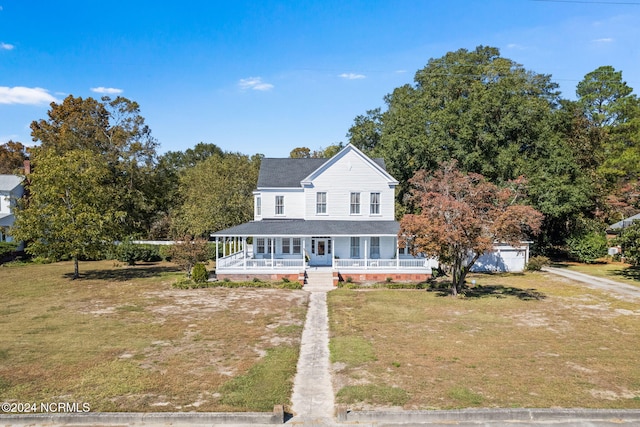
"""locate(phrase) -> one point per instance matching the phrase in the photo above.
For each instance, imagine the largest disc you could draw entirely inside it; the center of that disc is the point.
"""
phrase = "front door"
(321, 251)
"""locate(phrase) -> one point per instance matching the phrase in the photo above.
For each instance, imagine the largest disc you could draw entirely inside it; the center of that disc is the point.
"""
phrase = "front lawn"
(122, 339)
(531, 340)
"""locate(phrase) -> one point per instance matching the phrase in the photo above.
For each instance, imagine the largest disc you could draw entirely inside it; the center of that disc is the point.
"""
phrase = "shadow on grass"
(497, 291)
(632, 273)
(122, 274)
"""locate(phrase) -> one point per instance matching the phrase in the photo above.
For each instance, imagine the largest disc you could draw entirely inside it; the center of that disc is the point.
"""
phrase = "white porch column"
(397, 254)
(304, 250)
(333, 251)
(366, 266)
(273, 249)
(244, 253)
(224, 247)
(216, 252)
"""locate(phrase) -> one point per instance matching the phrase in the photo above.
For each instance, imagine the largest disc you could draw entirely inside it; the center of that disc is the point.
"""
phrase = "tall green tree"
(477, 107)
(70, 210)
(114, 131)
(218, 193)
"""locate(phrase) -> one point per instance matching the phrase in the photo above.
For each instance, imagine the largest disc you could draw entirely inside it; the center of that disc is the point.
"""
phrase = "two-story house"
(11, 189)
(337, 213)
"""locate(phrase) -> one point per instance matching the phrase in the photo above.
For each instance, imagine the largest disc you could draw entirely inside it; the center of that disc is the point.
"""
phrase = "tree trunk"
(76, 272)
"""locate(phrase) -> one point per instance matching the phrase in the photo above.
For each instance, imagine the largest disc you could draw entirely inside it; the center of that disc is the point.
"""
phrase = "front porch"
(274, 258)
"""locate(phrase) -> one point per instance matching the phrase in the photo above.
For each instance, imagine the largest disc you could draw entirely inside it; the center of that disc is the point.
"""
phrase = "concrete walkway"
(616, 289)
(312, 399)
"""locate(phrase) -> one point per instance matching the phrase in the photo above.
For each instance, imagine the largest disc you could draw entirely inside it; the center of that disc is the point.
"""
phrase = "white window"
(355, 247)
(375, 204)
(258, 206)
(261, 247)
(374, 251)
(279, 205)
(321, 203)
(355, 203)
(286, 245)
(296, 245)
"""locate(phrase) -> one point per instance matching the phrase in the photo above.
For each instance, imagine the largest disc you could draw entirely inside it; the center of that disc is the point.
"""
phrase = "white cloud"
(401, 71)
(25, 95)
(515, 46)
(254, 83)
(6, 46)
(107, 90)
(352, 76)
(603, 40)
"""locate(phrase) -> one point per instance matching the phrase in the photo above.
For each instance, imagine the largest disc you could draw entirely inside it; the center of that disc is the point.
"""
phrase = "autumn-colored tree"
(188, 251)
(12, 157)
(462, 216)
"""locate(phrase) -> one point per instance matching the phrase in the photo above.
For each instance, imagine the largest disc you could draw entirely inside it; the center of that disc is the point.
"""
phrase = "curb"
(149, 418)
(487, 415)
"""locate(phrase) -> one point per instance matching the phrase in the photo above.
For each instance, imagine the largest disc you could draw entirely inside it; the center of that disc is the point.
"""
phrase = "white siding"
(4, 203)
(350, 174)
(293, 203)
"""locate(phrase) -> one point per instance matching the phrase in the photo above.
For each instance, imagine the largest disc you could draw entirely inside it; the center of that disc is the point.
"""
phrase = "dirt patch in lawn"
(122, 339)
(572, 347)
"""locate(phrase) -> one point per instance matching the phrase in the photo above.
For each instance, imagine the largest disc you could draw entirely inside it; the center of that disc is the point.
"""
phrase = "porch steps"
(319, 279)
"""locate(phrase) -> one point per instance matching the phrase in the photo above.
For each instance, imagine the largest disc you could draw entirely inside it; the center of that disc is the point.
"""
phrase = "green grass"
(373, 395)
(267, 383)
(352, 350)
(529, 340)
(120, 338)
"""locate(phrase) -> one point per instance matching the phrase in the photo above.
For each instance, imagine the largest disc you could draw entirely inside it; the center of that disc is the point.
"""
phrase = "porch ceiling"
(304, 228)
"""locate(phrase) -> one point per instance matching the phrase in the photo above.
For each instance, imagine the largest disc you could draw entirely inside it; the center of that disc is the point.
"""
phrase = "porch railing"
(382, 264)
(239, 261)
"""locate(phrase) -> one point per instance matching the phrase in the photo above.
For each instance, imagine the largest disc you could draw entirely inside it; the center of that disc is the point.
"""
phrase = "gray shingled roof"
(287, 173)
(301, 227)
(9, 182)
(625, 222)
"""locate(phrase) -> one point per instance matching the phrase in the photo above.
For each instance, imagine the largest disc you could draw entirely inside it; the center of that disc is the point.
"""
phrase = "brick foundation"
(381, 277)
(275, 277)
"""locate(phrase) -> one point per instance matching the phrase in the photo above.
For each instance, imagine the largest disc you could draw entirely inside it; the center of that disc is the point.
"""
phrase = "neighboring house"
(336, 213)
(11, 189)
(616, 228)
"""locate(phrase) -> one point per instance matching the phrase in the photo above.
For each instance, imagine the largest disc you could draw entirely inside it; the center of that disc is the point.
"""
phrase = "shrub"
(164, 251)
(404, 285)
(537, 262)
(131, 253)
(588, 247)
(199, 273)
(629, 240)
(184, 283)
(287, 284)
(7, 248)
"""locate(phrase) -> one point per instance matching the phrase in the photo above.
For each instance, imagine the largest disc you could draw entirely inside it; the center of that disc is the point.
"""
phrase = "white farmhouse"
(336, 214)
(11, 189)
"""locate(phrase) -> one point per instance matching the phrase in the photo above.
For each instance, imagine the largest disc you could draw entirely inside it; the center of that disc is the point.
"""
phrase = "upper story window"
(321, 203)
(258, 206)
(355, 204)
(279, 205)
(375, 204)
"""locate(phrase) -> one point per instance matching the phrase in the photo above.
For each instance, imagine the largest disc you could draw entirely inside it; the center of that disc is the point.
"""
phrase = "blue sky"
(269, 76)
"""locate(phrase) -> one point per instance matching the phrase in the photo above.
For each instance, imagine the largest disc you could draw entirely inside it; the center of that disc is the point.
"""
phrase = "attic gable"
(377, 166)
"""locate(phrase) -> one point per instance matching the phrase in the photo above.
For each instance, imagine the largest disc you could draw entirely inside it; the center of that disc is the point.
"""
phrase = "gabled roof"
(302, 228)
(286, 173)
(376, 164)
(625, 222)
(9, 182)
(289, 173)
